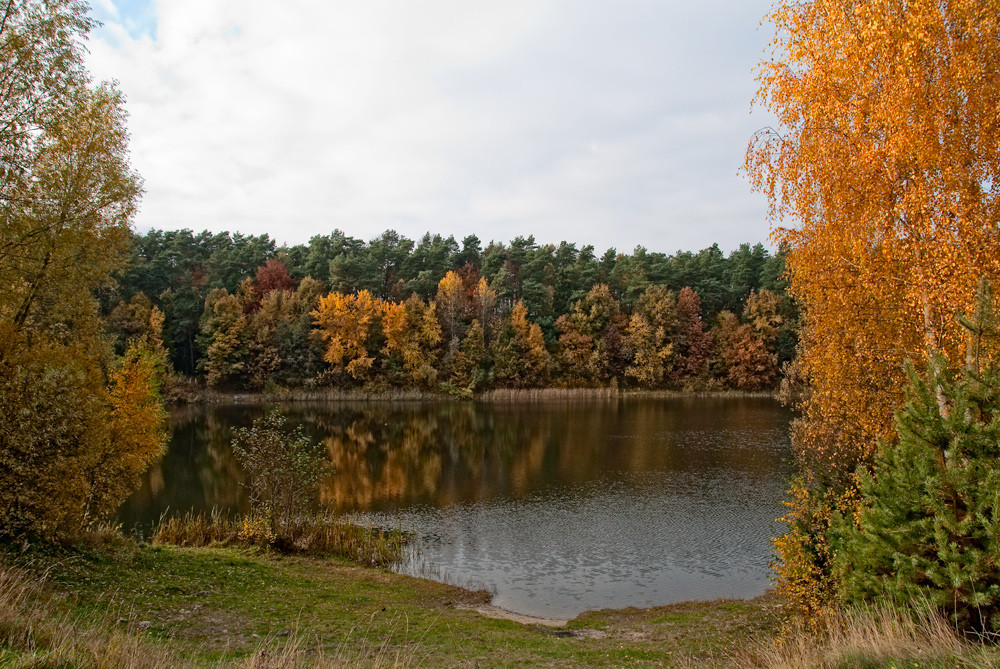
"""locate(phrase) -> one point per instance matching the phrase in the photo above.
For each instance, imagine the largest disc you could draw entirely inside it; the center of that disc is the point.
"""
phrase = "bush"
(284, 469)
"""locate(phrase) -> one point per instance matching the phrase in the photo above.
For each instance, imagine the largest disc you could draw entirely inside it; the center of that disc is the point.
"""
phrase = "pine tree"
(931, 529)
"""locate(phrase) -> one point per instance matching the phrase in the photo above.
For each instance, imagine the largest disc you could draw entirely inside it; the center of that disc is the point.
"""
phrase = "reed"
(501, 395)
(321, 535)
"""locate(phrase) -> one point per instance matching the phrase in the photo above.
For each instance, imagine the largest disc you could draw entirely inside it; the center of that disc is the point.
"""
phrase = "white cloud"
(108, 7)
(611, 123)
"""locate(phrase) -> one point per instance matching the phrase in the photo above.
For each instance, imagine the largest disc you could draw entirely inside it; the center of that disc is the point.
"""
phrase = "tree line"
(239, 312)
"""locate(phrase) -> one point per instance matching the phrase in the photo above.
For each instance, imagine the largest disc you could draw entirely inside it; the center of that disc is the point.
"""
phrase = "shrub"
(284, 468)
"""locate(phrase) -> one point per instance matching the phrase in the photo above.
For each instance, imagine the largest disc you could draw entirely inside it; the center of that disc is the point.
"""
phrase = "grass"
(211, 606)
(116, 603)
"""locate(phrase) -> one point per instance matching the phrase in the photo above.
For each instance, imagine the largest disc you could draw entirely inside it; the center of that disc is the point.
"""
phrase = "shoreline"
(205, 397)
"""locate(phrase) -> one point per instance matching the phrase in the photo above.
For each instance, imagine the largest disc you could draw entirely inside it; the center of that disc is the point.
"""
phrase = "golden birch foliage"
(67, 196)
(530, 341)
(347, 324)
(575, 354)
(647, 352)
(223, 330)
(762, 312)
(485, 303)
(136, 435)
(887, 164)
(67, 227)
(887, 160)
(451, 306)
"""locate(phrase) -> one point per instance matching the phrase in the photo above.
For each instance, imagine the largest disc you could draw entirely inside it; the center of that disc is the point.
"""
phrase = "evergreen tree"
(931, 529)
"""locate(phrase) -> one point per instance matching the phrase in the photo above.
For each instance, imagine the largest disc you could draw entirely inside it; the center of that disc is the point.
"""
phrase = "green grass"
(163, 606)
(211, 605)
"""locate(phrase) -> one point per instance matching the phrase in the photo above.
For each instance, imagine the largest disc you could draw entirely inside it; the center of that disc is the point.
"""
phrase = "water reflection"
(561, 506)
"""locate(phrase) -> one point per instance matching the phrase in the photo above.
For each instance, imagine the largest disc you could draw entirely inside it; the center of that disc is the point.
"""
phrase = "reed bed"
(327, 395)
(319, 395)
(585, 394)
(322, 535)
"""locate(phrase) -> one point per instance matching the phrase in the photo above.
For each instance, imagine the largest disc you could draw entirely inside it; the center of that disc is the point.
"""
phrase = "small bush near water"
(284, 468)
(320, 534)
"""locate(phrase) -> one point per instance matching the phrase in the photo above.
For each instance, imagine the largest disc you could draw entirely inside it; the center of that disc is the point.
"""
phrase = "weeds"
(33, 633)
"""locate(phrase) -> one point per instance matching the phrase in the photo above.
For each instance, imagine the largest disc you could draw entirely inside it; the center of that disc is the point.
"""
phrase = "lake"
(557, 506)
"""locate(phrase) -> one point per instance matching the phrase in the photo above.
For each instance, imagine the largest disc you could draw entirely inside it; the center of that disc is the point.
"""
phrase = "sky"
(614, 123)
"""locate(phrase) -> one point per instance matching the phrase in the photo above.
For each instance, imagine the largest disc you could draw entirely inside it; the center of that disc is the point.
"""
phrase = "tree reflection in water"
(616, 496)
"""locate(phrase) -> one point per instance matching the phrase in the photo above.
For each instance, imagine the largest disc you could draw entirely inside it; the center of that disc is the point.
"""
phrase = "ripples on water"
(647, 540)
(557, 508)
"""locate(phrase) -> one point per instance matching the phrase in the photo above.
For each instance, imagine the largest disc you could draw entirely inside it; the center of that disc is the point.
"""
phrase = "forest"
(241, 313)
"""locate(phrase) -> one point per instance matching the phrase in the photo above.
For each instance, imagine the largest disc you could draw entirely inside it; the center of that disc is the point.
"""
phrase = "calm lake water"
(557, 506)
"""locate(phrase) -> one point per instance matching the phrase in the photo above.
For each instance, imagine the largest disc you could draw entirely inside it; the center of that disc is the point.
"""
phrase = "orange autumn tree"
(886, 162)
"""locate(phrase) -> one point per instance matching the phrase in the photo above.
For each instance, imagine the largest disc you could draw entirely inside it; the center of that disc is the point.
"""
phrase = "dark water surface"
(559, 506)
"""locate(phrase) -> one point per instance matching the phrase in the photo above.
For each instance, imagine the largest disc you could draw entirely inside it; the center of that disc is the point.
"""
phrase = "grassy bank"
(142, 606)
(205, 606)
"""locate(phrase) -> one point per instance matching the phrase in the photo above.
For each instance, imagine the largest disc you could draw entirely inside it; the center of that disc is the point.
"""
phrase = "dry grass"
(881, 636)
(323, 535)
(33, 632)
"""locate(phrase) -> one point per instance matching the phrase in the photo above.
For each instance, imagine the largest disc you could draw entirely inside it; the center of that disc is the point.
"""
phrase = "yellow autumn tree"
(519, 355)
(451, 304)
(223, 337)
(412, 333)
(350, 325)
(646, 351)
(77, 426)
(485, 306)
(885, 171)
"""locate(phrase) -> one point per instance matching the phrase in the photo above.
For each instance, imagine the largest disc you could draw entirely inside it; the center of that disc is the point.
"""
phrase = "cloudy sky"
(604, 122)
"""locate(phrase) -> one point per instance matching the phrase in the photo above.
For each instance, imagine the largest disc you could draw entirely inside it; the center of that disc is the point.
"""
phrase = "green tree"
(930, 528)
